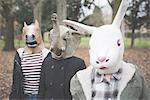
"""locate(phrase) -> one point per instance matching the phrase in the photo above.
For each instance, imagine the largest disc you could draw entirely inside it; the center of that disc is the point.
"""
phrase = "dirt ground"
(140, 57)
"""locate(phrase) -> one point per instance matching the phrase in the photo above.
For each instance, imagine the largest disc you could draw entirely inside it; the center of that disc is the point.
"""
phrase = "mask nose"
(30, 38)
(31, 41)
(101, 59)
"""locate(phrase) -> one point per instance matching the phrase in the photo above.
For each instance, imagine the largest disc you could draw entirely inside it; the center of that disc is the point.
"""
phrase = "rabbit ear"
(121, 13)
(84, 29)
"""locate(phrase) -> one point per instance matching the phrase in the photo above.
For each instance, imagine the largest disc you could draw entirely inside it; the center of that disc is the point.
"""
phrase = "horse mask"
(32, 36)
(106, 42)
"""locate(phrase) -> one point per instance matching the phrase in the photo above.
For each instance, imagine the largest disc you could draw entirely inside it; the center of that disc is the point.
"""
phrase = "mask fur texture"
(106, 42)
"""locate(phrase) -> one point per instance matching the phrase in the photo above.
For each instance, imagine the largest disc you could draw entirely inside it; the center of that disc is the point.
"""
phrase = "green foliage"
(139, 42)
(73, 11)
(138, 14)
(115, 6)
(24, 11)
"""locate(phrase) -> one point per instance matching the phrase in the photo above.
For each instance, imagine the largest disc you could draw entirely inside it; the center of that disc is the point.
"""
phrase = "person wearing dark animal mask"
(28, 62)
(62, 65)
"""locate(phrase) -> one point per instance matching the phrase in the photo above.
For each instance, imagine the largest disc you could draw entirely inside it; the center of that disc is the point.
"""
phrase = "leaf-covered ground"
(140, 57)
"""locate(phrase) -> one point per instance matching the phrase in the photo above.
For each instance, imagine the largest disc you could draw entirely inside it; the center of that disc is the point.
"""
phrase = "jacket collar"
(107, 77)
(84, 76)
(44, 53)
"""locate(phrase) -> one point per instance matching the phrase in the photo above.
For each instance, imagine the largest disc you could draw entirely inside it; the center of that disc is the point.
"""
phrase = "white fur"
(104, 42)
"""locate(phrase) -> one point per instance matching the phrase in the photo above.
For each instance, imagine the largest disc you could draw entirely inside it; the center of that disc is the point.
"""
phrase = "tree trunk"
(134, 14)
(38, 12)
(132, 38)
(148, 12)
(37, 9)
(61, 10)
(115, 6)
(73, 9)
(9, 35)
(9, 27)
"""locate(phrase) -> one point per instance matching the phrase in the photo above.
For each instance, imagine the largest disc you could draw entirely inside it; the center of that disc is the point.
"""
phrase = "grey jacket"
(131, 86)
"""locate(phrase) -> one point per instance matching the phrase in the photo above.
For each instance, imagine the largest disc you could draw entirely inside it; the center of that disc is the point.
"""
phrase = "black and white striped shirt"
(31, 67)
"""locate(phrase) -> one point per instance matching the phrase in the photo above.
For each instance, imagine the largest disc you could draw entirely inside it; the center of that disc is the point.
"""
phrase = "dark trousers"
(31, 97)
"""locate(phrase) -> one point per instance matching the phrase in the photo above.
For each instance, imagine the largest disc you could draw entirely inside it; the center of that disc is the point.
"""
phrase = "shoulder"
(79, 62)
(137, 76)
(77, 59)
(19, 52)
(45, 52)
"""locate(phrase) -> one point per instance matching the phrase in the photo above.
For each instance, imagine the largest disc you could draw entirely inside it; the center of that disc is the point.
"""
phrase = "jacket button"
(61, 84)
(52, 99)
(52, 67)
(62, 68)
(109, 98)
(51, 83)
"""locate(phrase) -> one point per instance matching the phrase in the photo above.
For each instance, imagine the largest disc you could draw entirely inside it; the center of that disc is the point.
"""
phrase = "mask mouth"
(103, 68)
(57, 53)
(31, 42)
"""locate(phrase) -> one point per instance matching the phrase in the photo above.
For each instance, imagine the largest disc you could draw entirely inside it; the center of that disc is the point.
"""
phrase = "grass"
(139, 43)
(1, 43)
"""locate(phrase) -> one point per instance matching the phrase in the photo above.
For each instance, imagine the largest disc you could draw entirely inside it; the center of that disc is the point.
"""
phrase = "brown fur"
(33, 29)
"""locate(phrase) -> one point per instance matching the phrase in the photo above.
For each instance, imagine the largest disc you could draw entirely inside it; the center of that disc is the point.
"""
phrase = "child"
(62, 65)
(28, 62)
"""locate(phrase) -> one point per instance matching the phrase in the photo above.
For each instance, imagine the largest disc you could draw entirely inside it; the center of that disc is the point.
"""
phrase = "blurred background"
(136, 28)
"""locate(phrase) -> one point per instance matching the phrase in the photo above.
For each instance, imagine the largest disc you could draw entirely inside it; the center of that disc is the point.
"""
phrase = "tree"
(61, 10)
(138, 16)
(50, 6)
(37, 9)
(148, 14)
(13, 10)
(8, 13)
(73, 9)
(115, 5)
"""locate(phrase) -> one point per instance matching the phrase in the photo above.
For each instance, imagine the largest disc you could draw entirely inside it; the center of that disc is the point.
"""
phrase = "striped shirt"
(31, 67)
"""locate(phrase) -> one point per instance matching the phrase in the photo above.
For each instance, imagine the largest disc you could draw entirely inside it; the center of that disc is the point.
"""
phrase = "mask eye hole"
(118, 42)
(64, 39)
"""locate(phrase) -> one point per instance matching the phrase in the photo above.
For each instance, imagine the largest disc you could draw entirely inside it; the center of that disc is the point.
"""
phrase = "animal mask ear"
(25, 25)
(121, 13)
(36, 23)
(84, 29)
(76, 32)
(24, 28)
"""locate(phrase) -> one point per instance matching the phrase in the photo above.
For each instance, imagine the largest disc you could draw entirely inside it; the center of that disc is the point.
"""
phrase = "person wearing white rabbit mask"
(108, 77)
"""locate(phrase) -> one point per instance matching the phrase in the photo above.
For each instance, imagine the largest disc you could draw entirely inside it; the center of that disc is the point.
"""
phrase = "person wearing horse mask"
(28, 62)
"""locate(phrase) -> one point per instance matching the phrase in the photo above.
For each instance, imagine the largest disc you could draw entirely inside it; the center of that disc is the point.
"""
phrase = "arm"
(42, 85)
(76, 89)
(15, 90)
(145, 94)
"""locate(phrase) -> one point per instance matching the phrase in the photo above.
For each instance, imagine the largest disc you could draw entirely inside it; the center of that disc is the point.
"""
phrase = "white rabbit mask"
(106, 42)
